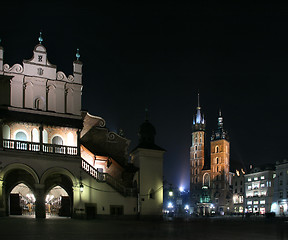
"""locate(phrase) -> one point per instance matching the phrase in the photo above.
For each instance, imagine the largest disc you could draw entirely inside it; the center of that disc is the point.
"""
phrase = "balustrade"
(105, 177)
(36, 147)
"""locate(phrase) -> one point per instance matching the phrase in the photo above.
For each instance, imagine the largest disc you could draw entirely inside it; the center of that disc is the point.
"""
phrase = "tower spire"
(198, 107)
(198, 120)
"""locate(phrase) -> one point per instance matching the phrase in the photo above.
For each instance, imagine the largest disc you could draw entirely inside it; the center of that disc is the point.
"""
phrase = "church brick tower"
(220, 158)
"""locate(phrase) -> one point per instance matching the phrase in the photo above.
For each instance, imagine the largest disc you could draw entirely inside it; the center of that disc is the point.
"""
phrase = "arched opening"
(57, 140)
(59, 195)
(21, 136)
(35, 135)
(18, 190)
(21, 200)
(45, 136)
(58, 202)
(6, 132)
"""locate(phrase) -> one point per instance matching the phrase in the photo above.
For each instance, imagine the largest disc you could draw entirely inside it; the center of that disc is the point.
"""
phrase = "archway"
(58, 202)
(21, 200)
(59, 194)
(18, 182)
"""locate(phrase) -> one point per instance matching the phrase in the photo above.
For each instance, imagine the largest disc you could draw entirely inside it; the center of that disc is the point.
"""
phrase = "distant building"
(259, 185)
(210, 180)
(56, 159)
(238, 189)
(280, 197)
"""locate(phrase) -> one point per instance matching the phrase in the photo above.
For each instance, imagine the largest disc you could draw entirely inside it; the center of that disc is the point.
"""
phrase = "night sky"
(158, 56)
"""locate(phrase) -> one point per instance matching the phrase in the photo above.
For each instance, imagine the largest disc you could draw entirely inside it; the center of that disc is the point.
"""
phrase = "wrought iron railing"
(38, 147)
(105, 177)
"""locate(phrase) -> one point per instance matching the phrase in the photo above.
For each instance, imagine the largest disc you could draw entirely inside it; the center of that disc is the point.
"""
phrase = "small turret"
(220, 133)
(77, 68)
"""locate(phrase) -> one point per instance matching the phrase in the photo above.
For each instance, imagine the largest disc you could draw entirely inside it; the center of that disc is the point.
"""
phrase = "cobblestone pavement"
(22, 228)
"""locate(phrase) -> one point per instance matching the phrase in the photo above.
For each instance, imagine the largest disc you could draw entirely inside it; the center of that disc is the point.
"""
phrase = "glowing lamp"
(81, 187)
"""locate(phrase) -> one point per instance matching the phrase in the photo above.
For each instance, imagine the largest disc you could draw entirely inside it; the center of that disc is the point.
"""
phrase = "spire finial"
(77, 54)
(220, 112)
(198, 99)
(40, 38)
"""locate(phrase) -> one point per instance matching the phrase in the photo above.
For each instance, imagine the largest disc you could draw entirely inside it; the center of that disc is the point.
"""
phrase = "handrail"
(105, 177)
(38, 147)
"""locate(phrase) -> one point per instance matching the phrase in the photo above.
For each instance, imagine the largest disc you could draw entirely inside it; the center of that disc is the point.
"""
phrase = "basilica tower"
(197, 149)
(220, 158)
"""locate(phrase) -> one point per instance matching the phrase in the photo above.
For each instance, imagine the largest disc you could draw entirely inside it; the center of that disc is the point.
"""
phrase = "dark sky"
(139, 55)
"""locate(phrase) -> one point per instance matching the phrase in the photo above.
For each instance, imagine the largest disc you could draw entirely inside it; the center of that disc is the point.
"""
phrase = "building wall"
(259, 191)
(238, 186)
(280, 197)
(150, 180)
(37, 85)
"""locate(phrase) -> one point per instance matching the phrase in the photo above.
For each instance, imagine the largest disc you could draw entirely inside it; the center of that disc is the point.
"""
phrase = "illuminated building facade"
(280, 196)
(57, 159)
(238, 185)
(259, 188)
(210, 181)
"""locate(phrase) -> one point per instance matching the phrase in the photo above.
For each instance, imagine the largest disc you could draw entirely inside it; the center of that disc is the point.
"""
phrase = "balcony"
(39, 147)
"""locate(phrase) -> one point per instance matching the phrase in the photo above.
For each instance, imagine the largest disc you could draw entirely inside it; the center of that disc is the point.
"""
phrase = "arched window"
(35, 135)
(206, 180)
(45, 136)
(217, 149)
(57, 140)
(217, 160)
(21, 136)
(195, 155)
(6, 132)
(70, 139)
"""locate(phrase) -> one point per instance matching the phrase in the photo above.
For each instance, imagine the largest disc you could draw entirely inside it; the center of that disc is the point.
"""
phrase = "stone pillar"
(1, 134)
(78, 142)
(2, 199)
(41, 137)
(40, 211)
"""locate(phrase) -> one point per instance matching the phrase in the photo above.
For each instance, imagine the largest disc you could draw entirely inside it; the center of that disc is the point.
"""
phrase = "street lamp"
(81, 185)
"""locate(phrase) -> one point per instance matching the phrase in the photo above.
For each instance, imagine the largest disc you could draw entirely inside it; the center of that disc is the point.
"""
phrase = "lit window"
(255, 178)
(262, 201)
(21, 136)
(274, 175)
(249, 187)
(249, 202)
(256, 193)
(240, 199)
(262, 177)
(262, 185)
(249, 179)
(256, 202)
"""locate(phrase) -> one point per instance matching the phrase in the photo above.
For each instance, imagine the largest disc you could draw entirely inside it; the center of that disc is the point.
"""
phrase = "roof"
(47, 118)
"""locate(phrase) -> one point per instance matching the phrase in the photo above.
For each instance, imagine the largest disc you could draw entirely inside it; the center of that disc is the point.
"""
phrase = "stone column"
(1, 134)
(40, 211)
(78, 142)
(41, 137)
(2, 199)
